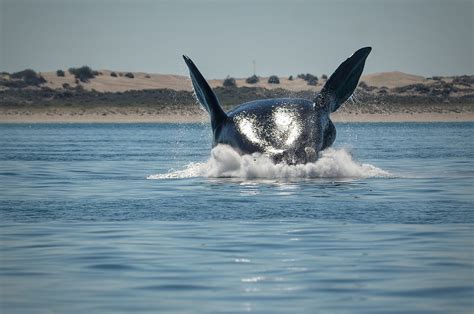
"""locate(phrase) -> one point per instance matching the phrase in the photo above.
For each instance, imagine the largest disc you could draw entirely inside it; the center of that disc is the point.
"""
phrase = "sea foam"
(225, 162)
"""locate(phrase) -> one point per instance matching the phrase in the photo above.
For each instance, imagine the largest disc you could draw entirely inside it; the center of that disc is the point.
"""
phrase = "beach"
(201, 118)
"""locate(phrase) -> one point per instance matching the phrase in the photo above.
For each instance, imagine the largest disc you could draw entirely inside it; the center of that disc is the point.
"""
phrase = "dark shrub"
(324, 77)
(312, 82)
(64, 94)
(401, 89)
(79, 88)
(252, 80)
(147, 76)
(229, 82)
(443, 89)
(66, 86)
(419, 88)
(129, 75)
(366, 87)
(466, 80)
(310, 78)
(13, 83)
(96, 73)
(84, 73)
(60, 73)
(23, 74)
(363, 85)
(273, 80)
(290, 78)
(113, 74)
(29, 76)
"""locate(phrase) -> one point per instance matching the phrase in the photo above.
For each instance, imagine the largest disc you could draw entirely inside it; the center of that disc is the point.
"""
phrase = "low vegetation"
(366, 87)
(167, 100)
(22, 79)
(309, 78)
(229, 82)
(27, 89)
(465, 80)
(440, 88)
(83, 74)
(252, 79)
(273, 79)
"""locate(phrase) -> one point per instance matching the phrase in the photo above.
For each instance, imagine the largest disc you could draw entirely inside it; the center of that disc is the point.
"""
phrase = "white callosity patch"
(247, 126)
(287, 126)
(225, 162)
(274, 138)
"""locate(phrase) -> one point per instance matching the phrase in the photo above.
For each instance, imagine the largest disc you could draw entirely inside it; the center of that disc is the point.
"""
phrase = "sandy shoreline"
(199, 118)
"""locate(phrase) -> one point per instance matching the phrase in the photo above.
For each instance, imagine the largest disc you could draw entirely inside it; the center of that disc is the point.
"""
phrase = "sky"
(424, 37)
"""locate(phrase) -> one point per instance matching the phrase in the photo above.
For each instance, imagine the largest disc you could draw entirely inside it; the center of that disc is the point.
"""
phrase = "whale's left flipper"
(342, 83)
(205, 95)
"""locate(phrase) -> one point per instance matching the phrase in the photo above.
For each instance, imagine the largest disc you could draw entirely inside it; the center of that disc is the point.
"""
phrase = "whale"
(287, 130)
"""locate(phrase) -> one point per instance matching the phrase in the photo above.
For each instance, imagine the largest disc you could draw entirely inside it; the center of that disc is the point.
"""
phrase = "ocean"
(145, 218)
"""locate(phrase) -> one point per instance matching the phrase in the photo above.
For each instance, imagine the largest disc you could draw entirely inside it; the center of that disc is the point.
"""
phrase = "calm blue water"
(83, 230)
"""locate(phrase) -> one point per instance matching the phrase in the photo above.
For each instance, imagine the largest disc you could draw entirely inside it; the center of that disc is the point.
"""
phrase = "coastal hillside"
(90, 95)
(115, 81)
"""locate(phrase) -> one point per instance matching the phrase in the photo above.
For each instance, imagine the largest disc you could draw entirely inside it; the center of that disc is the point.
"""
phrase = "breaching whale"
(290, 130)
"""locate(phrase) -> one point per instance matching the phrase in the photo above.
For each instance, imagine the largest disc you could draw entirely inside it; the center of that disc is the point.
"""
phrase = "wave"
(225, 162)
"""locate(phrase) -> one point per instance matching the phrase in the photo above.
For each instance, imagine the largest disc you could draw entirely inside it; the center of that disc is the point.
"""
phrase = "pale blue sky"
(426, 37)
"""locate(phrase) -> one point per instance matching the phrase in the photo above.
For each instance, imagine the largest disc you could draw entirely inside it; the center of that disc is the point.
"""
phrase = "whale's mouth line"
(225, 162)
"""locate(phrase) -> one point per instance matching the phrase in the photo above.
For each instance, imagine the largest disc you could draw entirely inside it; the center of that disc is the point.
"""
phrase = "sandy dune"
(392, 79)
(107, 83)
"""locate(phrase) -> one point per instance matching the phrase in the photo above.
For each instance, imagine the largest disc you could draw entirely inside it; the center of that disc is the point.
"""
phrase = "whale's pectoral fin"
(205, 95)
(343, 81)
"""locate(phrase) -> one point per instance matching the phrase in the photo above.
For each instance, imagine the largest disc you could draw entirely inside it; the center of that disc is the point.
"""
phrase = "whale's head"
(285, 129)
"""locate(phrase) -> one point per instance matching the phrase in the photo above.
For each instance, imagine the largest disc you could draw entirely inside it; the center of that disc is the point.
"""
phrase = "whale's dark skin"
(290, 130)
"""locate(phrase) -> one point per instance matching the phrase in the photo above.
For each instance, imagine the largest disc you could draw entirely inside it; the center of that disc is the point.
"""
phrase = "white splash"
(225, 162)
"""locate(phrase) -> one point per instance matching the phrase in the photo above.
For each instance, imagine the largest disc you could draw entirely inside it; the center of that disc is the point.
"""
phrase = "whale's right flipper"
(205, 95)
(342, 83)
